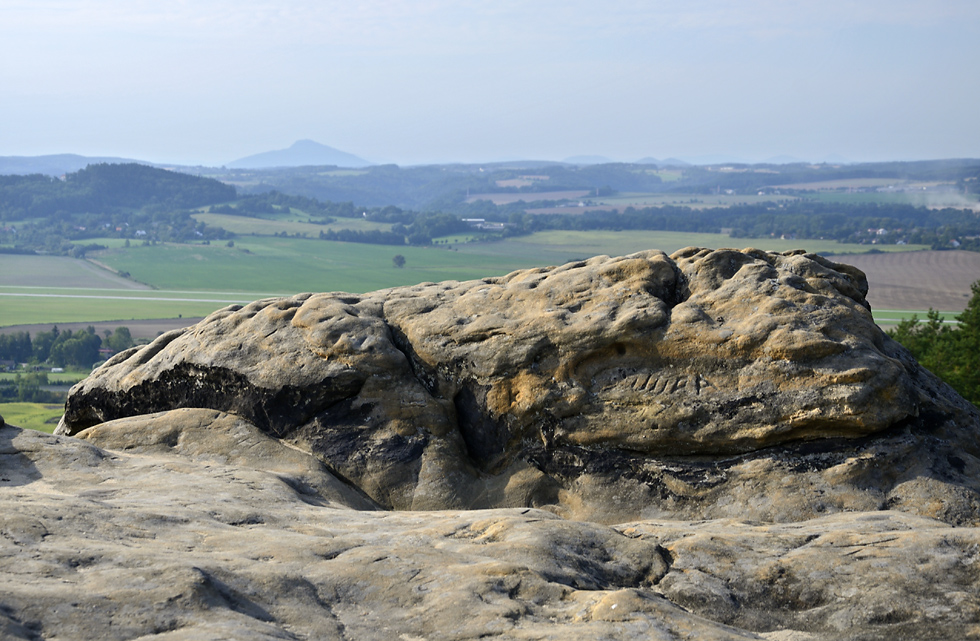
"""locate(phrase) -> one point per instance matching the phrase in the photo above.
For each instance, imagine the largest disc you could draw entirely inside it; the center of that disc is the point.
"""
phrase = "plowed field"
(918, 280)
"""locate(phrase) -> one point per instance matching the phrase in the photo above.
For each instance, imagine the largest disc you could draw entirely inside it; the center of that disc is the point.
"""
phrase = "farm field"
(191, 281)
(42, 271)
(21, 309)
(931, 199)
(43, 417)
(918, 280)
(142, 329)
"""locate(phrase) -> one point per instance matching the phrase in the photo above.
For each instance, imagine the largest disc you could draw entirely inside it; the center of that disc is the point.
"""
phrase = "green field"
(291, 265)
(887, 318)
(61, 271)
(26, 305)
(54, 378)
(43, 417)
(194, 280)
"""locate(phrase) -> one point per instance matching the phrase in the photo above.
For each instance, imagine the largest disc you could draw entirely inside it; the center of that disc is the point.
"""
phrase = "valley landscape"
(598, 321)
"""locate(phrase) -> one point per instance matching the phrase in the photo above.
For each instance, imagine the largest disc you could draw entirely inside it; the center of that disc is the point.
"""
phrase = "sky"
(209, 81)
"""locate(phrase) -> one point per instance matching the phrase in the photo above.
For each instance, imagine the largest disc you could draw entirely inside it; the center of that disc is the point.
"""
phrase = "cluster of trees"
(372, 237)
(27, 388)
(951, 353)
(62, 348)
(409, 227)
(275, 202)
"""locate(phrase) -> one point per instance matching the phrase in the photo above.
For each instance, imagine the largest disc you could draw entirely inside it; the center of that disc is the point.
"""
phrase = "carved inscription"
(655, 383)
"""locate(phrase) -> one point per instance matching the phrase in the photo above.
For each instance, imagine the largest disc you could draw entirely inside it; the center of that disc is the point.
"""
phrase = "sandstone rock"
(145, 542)
(707, 384)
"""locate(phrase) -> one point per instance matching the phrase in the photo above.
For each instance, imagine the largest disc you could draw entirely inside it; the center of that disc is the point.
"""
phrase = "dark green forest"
(952, 353)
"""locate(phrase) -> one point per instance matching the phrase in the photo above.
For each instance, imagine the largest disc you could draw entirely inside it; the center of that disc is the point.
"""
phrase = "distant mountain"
(648, 160)
(55, 164)
(588, 160)
(302, 153)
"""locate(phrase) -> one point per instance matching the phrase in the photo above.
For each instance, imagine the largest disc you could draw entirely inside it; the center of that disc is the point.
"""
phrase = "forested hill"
(103, 187)
(61, 216)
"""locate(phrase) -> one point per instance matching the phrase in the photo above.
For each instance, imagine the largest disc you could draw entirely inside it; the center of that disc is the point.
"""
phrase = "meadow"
(43, 417)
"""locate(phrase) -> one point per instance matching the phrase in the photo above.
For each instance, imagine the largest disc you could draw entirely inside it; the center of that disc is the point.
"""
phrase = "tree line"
(851, 223)
(63, 348)
(952, 353)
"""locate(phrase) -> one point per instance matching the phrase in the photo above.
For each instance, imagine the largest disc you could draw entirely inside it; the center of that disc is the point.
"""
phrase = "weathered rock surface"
(712, 445)
(144, 541)
(708, 384)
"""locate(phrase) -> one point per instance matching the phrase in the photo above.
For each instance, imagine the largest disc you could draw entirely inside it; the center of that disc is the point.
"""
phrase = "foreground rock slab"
(146, 542)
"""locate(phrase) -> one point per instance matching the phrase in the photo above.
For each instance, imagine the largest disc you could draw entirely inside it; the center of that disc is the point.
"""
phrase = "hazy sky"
(209, 81)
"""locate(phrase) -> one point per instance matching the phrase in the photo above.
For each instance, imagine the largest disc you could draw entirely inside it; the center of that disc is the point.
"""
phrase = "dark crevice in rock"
(486, 439)
(276, 411)
(668, 557)
(427, 377)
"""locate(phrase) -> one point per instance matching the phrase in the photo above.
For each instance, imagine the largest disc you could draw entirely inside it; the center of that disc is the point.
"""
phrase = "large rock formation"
(707, 384)
(712, 445)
